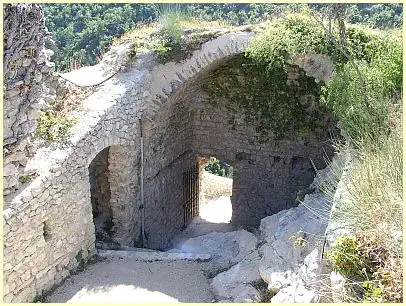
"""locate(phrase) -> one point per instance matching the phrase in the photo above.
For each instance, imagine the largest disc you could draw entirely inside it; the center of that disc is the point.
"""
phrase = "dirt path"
(129, 280)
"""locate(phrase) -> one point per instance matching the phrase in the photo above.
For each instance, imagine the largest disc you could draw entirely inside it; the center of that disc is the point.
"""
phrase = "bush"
(170, 32)
(375, 272)
(360, 93)
(52, 126)
(219, 168)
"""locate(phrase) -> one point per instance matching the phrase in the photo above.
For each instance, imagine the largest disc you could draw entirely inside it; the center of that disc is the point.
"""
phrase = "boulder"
(311, 268)
(296, 293)
(290, 255)
(9, 170)
(338, 290)
(245, 293)
(300, 285)
(226, 249)
(245, 272)
(292, 234)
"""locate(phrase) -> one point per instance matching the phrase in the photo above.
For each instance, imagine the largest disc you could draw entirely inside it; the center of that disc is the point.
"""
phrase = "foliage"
(265, 98)
(26, 178)
(52, 126)
(264, 94)
(219, 168)
(83, 32)
(374, 209)
(363, 260)
(169, 22)
(300, 33)
(346, 257)
(363, 112)
(170, 33)
(379, 15)
(299, 240)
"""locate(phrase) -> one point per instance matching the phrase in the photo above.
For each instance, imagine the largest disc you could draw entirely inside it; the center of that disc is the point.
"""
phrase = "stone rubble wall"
(168, 157)
(168, 128)
(266, 177)
(124, 179)
(48, 223)
(59, 197)
(27, 72)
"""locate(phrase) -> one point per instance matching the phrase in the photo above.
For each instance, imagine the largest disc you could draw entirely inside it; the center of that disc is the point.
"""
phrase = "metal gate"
(190, 194)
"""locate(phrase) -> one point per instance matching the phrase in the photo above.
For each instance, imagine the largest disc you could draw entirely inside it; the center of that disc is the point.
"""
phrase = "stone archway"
(269, 175)
(115, 198)
(100, 196)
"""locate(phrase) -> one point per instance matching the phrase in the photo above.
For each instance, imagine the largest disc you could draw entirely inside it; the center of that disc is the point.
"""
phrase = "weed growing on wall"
(52, 126)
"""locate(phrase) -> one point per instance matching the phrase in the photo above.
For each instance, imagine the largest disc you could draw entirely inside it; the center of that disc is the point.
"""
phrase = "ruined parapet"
(27, 74)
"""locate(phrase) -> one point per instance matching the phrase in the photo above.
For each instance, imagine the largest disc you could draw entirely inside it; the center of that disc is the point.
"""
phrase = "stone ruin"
(90, 187)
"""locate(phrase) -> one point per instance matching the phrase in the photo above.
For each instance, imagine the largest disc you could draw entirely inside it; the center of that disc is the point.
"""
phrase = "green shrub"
(170, 28)
(219, 168)
(170, 32)
(52, 126)
(363, 261)
(360, 93)
(26, 178)
(347, 258)
(372, 293)
(294, 35)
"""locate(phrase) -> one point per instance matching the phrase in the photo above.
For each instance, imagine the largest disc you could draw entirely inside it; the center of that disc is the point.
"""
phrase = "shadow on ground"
(129, 280)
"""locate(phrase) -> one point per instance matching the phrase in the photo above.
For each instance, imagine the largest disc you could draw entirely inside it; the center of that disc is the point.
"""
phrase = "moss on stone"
(265, 97)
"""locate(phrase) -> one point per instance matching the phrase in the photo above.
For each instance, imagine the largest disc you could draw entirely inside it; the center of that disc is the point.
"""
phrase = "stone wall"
(124, 179)
(59, 197)
(27, 72)
(41, 246)
(266, 177)
(168, 141)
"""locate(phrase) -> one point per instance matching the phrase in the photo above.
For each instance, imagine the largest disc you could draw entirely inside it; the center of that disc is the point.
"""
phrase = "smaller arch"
(115, 196)
(100, 198)
(103, 143)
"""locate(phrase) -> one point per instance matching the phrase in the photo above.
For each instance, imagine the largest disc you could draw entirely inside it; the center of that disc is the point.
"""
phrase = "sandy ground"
(214, 216)
(217, 210)
(128, 280)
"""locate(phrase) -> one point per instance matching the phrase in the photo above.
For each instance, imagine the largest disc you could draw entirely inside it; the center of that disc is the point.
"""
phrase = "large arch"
(182, 123)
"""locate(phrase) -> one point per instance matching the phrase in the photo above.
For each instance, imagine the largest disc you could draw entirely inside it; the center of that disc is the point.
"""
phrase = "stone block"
(10, 170)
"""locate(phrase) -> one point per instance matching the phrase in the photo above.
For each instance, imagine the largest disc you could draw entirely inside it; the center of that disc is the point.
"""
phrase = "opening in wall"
(216, 181)
(100, 196)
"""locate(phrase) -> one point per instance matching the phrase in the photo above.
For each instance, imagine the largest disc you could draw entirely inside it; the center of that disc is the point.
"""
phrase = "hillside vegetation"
(83, 32)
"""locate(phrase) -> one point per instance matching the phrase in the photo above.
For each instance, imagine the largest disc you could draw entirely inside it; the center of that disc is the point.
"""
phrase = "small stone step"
(152, 255)
(134, 249)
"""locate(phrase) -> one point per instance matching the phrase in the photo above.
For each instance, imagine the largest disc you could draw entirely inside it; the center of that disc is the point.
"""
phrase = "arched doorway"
(115, 196)
(216, 181)
(100, 196)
